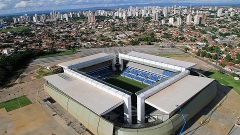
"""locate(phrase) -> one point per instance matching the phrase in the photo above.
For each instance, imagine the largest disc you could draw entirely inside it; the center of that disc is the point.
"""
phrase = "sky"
(16, 6)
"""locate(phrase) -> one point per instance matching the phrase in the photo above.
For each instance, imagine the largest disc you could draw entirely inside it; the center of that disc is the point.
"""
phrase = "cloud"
(21, 4)
(2, 6)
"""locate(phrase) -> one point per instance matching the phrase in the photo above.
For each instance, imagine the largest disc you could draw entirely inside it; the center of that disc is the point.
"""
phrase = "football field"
(128, 85)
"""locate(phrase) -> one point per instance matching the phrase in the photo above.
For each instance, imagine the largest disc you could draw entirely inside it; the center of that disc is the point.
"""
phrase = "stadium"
(133, 93)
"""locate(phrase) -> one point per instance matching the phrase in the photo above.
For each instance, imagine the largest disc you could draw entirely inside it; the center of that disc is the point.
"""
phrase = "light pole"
(183, 119)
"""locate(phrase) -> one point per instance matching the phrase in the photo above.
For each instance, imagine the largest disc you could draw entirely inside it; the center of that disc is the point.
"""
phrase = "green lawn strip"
(14, 103)
(173, 55)
(24, 101)
(58, 54)
(224, 79)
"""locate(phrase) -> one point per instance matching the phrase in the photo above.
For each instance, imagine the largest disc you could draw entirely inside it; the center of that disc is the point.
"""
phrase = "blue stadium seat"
(153, 77)
(144, 74)
(139, 78)
(150, 82)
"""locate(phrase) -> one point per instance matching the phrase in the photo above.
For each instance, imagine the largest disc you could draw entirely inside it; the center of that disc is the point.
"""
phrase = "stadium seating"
(145, 76)
(150, 82)
(154, 77)
(167, 73)
(134, 71)
(140, 79)
(101, 73)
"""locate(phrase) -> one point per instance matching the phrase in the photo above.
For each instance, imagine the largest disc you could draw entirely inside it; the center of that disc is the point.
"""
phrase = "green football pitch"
(128, 85)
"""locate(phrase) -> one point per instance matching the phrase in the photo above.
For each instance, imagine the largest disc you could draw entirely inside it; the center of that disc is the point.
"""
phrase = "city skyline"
(17, 6)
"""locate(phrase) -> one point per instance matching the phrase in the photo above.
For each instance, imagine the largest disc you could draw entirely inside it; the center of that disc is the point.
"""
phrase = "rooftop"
(178, 93)
(88, 95)
(82, 60)
(162, 59)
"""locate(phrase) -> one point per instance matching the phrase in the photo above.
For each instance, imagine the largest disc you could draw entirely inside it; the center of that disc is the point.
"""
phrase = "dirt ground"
(32, 120)
(199, 64)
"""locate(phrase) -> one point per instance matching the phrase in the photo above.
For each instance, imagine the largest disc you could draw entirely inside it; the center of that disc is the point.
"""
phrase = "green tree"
(203, 53)
(186, 49)
(207, 55)
(228, 58)
(238, 56)
(214, 56)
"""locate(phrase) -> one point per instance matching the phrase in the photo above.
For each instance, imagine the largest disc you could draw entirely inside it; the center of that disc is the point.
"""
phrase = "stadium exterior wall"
(93, 122)
(176, 121)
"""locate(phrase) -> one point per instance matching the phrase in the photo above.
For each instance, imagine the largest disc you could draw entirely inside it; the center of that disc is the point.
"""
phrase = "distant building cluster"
(173, 15)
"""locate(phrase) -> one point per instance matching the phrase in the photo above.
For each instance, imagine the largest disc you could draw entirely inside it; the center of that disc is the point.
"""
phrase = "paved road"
(86, 52)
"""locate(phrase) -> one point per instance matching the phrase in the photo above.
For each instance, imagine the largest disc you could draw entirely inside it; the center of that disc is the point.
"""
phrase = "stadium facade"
(106, 109)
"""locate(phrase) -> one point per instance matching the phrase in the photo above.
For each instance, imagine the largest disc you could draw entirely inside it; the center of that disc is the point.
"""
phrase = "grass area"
(69, 52)
(42, 72)
(17, 29)
(15, 103)
(126, 83)
(129, 85)
(224, 79)
(173, 55)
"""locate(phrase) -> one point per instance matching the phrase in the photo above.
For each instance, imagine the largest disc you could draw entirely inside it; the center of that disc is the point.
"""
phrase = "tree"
(198, 53)
(186, 49)
(222, 64)
(214, 56)
(238, 56)
(207, 55)
(228, 58)
(203, 53)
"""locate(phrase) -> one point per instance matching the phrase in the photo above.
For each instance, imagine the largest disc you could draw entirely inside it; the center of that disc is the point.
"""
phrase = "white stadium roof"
(82, 60)
(178, 93)
(162, 59)
(90, 96)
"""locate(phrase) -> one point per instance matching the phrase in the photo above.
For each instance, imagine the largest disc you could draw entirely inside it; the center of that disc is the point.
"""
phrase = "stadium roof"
(162, 59)
(90, 96)
(81, 60)
(178, 93)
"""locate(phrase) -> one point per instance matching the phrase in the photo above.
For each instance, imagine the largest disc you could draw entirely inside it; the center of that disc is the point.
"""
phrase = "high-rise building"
(202, 18)
(179, 21)
(34, 19)
(219, 13)
(171, 21)
(155, 16)
(91, 17)
(124, 15)
(1, 21)
(189, 20)
(165, 12)
(196, 19)
(163, 21)
(232, 14)
(199, 19)
(14, 20)
(226, 13)
(43, 18)
(66, 17)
